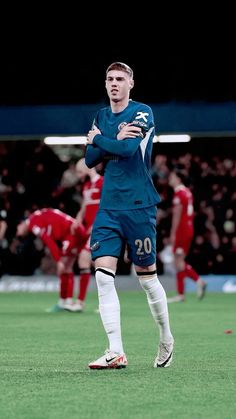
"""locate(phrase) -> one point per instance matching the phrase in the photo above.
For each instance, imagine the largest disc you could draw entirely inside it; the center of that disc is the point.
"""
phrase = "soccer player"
(121, 138)
(91, 192)
(54, 229)
(181, 235)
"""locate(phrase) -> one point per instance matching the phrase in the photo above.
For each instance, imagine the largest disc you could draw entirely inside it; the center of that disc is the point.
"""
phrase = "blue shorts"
(136, 228)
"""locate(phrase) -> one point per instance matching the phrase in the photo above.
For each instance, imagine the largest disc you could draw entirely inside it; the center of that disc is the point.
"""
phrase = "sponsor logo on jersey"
(138, 123)
(142, 115)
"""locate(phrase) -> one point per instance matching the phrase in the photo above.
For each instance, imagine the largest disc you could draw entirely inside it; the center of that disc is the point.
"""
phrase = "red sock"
(63, 286)
(83, 284)
(70, 285)
(180, 281)
(191, 273)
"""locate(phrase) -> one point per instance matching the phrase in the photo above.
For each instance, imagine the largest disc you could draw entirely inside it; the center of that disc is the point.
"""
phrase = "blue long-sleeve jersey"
(127, 180)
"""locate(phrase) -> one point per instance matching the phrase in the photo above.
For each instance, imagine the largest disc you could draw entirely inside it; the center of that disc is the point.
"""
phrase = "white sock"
(109, 308)
(157, 301)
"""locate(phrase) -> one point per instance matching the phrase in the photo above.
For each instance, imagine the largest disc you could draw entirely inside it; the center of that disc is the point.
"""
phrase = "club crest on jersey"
(142, 115)
(121, 125)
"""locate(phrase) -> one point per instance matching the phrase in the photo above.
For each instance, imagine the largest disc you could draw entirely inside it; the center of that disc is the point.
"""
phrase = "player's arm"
(81, 232)
(176, 217)
(3, 228)
(80, 215)
(140, 128)
(40, 231)
(78, 219)
(112, 146)
(125, 148)
(93, 155)
(52, 246)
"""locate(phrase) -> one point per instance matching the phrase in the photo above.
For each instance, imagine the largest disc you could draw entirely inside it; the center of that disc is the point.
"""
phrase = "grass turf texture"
(44, 357)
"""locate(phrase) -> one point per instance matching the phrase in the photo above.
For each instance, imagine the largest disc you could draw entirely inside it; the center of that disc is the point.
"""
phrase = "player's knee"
(104, 276)
(146, 275)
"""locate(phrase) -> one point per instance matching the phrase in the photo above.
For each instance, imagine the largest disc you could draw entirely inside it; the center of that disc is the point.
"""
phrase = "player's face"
(173, 180)
(118, 85)
(81, 173)
(22, 229)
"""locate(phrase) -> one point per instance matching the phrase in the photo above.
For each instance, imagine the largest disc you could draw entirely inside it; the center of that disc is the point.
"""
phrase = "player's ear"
(131, 84)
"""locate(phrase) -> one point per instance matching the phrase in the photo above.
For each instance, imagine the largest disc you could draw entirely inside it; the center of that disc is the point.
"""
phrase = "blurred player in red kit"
(54, 229)
(91, 189)
(181, 235)
(92, 183)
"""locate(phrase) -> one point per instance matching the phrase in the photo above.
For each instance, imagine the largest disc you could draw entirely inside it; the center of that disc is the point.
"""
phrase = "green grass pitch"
(44, 357)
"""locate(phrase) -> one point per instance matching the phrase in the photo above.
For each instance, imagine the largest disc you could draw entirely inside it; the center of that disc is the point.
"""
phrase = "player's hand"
(75, 225)
(129, 131)
(66, 263)
(91, 134)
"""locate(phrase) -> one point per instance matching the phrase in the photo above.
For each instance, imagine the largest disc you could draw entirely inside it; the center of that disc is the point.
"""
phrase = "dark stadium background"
(62, 61)
(172, 75)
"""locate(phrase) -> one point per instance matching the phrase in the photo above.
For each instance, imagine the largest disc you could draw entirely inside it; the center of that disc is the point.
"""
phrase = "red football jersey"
(53, 226)
(52, 221)
(183, 196)
(91, 192)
